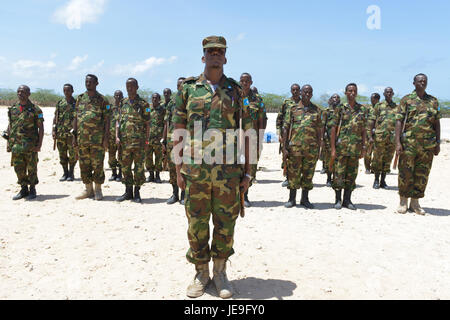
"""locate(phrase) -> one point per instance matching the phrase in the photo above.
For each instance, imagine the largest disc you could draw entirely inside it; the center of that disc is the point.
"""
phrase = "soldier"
(132, 128)
(333, 102)
(418, 138)
(348, 145)
(91, 136)
(382, 122)
(254, 90)
(168, 144)
(114, 151)
(255, 113)
(156, 133)
(62, 127)
(25, 133)
(302, 130)
(374, 99)
(213, 100)
(294, 100)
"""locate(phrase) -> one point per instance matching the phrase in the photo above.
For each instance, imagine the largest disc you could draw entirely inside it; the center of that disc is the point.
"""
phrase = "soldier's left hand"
(363, 154)
(245, 184)
(37, 149)
(105, 144)
(437, 150)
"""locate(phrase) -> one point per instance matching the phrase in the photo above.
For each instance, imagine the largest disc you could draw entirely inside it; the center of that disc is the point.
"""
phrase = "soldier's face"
(68, 92)
(351, 93)
(246, 82)
(179, 84)
(91, 84)
(335, 100)
(167, 94)
(421, 82)
(118, 96)
(155, 100)
(295, 91)
(132, 88)
(374, 100)
(214, 58)
(307, 93)
(388, 94)
(23, 94)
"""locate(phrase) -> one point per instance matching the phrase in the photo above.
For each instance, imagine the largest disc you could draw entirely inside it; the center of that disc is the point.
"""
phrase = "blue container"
(269, 138)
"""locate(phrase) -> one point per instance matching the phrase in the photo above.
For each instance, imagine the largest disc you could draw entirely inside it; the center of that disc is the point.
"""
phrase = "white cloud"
(379, 88)
(143, 66)
(363, 89)
(32, 68)
(76, 62)
(78, 12)
(241, 36)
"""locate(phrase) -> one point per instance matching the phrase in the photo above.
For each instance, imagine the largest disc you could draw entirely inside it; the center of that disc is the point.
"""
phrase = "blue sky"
(46, 43)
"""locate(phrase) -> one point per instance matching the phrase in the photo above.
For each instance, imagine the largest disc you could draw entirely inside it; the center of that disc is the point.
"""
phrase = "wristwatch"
(249, 176)
(164, 142)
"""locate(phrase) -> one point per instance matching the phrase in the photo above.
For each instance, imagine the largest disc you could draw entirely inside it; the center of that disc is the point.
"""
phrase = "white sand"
(59, 248)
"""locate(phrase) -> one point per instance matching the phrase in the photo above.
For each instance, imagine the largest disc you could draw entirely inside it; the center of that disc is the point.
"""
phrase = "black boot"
(329, 180)
(338, 202)
(71, 177)
(383, 181)
(22, 194)
(292, 199)
(247, 203)
(137, 195)
(376, 184)
(119, 176)
(324, 170)
(305, 200)
(174, 198)
(347, 200)
(157, 178)
(66, 173)
(182, 197)
(114, 175)
(151, 177)
(128, 195)
(32, 195)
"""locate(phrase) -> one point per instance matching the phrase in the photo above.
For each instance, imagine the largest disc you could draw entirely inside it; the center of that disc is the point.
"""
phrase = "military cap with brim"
(214, 42)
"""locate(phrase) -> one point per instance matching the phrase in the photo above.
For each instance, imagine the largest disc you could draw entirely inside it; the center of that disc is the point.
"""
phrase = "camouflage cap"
(214, 42)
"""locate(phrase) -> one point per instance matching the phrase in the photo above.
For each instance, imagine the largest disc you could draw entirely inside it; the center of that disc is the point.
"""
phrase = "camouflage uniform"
(23, 138)
(65, 113)
(383, 116)
(302, 123)
(210, 188)
(419, 142)
(91, 113)
(368, 158)
(287, 104)
(114, 152)
(348, 145)
(170, 108)
(156, 134)
(133, 120)
(326, 152)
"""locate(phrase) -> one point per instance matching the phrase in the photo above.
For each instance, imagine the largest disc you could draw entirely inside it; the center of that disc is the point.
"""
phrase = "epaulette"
(190, 80)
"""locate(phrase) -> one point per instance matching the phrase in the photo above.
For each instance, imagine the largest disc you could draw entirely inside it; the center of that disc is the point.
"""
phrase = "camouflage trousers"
(128, 157)
(383, 154)
(326, 155)
(213, 191)
(67, 153)
(368, 158)
(301, 167)
(414, 168)
(25, 166)
(157, 164)
(114, 154)
(345, 172)
(172, 167)
(91, 163)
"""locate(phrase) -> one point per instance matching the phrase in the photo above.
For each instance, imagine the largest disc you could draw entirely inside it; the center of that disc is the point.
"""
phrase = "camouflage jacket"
(282, 113)
(350, 139)
(198, 103)
(133, 120)
(91, 115)
(302, 124)
(253, 110)
(170, 108)
(422, 115)
(368, 109)
(23, 127)
(157, 115)
(383, 117)
(115, 115)
(64, 115)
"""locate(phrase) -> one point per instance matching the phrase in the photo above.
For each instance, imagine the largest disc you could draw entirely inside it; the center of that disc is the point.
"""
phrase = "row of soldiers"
(346, 132)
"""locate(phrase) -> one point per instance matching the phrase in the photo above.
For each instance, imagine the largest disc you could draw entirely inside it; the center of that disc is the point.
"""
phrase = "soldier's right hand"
(118, 141)
(54, 135)
(181, 182)
(399, 148)
(74, 142)
(333, 154)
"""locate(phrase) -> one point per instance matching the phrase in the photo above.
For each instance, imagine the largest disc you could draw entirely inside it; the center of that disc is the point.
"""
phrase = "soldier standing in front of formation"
(132, 129)
(115, 151)
(215, 101)
(333, 102)
(288, 103)
(302, 130)
(348, 145)
(62, 128)
(418, 138)
(91, 136)
(382, 119)
(156, 133)
(374, 99)
(25, 133)
(254, 110)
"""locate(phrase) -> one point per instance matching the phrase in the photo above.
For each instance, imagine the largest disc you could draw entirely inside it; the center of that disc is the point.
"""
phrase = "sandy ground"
(59, 248)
